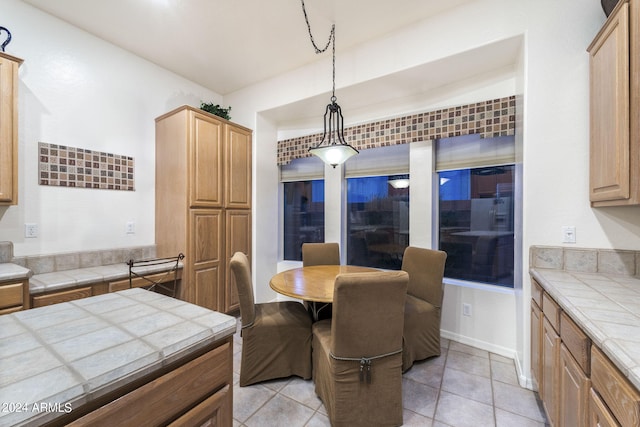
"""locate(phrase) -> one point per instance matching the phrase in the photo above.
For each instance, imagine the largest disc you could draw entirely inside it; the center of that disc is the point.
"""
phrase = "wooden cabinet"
(9, 129)
(615, 109)
(559, 361)
(14, 296)
(203, 201)
(578, 383)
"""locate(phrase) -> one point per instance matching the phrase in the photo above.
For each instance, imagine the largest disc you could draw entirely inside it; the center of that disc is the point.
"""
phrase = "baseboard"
(523, 379)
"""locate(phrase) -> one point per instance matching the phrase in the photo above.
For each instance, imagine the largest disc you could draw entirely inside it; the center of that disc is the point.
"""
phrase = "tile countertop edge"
(9, 271)
(629, 370)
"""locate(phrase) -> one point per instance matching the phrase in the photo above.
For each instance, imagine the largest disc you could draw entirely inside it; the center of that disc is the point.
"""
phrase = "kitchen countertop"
(60, 280)
(9, 271)
(65, 355)
(606, 307)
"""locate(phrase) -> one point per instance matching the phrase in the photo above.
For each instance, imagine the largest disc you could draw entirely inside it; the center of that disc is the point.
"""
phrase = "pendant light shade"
(333, 150)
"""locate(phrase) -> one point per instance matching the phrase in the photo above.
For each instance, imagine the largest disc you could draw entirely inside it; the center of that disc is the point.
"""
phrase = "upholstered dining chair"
(276, 336)
(320, 254)
(423, 305)
(357, 355)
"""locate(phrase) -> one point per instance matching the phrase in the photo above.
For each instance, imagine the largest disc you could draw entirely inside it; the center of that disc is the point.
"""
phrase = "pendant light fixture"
(332, 149)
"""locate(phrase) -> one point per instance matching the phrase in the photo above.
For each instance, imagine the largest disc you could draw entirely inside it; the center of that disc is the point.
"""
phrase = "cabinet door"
(574, 391)
(8, 130)
(550, 360)
(238, 164)
(599, 415)
(609, 110)
(214, 411)
(238, 235)
(205, 259)
(536, 340)
(206, 161)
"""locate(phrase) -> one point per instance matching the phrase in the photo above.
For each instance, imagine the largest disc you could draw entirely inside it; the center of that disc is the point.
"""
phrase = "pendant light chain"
(335, 150)
(331, 41)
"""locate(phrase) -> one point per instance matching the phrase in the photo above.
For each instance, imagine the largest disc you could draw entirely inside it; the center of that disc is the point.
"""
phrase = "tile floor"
(463, 387)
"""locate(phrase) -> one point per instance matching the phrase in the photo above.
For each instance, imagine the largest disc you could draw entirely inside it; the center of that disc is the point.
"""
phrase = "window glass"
(303, 216)
(377, 220)
(476, 223)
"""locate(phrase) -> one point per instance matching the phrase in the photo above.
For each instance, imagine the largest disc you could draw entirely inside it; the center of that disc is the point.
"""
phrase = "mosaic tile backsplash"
(64, 166)
(491, 118)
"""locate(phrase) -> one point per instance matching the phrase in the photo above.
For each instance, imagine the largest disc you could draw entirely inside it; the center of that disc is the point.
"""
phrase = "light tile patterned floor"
(463, 387)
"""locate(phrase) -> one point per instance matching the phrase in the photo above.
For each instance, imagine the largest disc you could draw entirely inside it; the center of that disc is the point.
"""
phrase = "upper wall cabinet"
(9, 129)
(615, 108)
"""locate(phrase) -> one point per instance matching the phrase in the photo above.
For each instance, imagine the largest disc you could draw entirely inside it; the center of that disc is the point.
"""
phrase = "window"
(476, 213)
(377, 220)
(303, 205)
(303, 216)
(377, 213)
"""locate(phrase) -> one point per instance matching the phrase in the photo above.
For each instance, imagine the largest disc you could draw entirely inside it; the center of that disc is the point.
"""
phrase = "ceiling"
(229, 45)
(226, 45)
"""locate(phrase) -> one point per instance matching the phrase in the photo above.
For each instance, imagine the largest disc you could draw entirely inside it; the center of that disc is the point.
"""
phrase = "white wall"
(80, 91)
(552, 77)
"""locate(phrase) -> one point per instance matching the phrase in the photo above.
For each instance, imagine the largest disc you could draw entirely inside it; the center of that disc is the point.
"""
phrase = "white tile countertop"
(606, 307)
(59, 280)
(71, 353)
(9, 271)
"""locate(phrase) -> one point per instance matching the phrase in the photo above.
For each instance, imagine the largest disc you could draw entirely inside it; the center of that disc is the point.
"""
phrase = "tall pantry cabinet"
(203, 201)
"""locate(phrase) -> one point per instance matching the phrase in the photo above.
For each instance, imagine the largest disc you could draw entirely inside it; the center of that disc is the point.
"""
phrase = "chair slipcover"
(365, 333)
(423, 305)
(276, 336)
(320, 254)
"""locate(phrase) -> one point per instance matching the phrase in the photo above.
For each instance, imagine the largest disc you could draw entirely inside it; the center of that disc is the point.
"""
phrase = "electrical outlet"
(130, 227)
(568, 234)
(466, 309)
(30, 230)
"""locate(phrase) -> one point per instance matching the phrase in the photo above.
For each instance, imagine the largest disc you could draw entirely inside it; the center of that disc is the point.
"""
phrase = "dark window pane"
(377, 220)
(303, 216)
(476, 224)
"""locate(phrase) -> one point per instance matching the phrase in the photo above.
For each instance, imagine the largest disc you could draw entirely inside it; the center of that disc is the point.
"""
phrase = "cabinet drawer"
(161, 400)
(616, 391)
(64, 296)
(551, 311)
(120, 285)
(11, 295)
(578, 344)
(536, 292)
(10, 310)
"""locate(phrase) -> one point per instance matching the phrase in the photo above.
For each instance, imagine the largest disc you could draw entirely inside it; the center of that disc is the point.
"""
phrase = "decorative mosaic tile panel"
(488, 118)
(64, 166)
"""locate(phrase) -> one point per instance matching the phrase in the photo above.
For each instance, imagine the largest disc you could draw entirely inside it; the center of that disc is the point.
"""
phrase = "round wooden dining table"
(313, 284)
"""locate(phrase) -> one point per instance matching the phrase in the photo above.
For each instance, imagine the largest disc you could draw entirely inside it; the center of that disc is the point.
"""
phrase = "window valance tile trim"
(496, 117)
